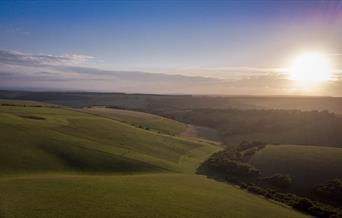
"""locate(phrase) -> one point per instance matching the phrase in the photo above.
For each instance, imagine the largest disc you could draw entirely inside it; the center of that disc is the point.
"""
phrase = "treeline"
(306, 205)
(228, 163)
(231, 165)
(331, 190)
(275, 126)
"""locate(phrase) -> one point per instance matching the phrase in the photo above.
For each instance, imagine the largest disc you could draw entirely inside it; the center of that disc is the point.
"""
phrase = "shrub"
(243, 185)
(232, 168)
(303, 204)
(331, 190)
(321, 212)
(257, 190)
(299, 203)
(278, 180)
(245, 145)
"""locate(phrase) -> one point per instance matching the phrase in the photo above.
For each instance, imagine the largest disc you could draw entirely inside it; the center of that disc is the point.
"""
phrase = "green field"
(142, 120)
(59, 162)
(63, 139)
(147, 196)
(307, 165)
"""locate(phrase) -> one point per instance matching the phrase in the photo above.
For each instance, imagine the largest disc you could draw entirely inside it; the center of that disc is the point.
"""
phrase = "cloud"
(26, 78)
(92, 79)
(18, 58)
(126, 75)
(241, 69)
(71, 72)
(231, 72)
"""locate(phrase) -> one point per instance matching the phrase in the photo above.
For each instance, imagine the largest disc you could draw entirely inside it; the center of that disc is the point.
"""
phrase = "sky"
(169, 47)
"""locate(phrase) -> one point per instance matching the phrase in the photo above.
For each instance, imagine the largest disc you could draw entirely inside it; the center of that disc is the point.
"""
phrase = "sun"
(311, 68)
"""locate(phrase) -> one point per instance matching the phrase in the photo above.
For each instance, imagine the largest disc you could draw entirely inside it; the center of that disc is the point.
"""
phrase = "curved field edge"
(150, 195)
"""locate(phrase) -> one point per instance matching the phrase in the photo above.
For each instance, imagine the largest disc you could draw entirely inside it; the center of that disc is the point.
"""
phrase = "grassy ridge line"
(155, 123)
(135, 196)
(34, 151)
(144, 120)
(191, 158)
(54, 143)
(188, 160)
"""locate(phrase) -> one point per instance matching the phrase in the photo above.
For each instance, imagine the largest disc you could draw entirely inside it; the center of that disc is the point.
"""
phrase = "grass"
(142, 120)
(154, 195)
(307, 165)
(69, 163)
(70, 140)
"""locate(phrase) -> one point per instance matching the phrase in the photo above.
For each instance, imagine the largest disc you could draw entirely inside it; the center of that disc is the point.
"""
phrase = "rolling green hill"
(60, 162)
(142, 120)
(307, 165)
(45, 139)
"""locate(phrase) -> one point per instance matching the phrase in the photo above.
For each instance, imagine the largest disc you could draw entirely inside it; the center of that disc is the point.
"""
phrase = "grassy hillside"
(142, 120)
(58, 162)
(138, 196)
(307, 165)
(49, 139)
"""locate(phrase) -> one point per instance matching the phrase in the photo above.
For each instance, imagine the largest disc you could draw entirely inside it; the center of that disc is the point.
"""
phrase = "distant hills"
(153, 102)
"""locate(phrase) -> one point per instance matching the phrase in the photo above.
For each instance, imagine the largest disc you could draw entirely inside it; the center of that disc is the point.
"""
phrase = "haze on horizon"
(173, 47)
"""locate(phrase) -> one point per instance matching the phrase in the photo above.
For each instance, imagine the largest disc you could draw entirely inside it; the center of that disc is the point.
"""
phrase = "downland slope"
(43, 139)
(157, 123)
(58, 162)
(141, 120)
(134, 196)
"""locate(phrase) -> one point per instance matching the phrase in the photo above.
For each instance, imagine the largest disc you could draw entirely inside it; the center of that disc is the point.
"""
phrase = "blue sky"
(218, 39)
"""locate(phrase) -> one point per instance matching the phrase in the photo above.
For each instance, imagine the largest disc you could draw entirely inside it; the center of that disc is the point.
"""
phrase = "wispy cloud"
(231, 73)
(247, 69)
(71, 72)
(19, 58)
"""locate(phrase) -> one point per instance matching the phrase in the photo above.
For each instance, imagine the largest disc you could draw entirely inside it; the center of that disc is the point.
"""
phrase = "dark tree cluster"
(228, 163)
(331, 190)
(247, 149)
(305, 205)
(246, 145)
(278, 180)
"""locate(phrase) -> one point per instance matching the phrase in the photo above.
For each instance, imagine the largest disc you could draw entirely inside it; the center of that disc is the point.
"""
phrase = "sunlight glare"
(311, 68)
